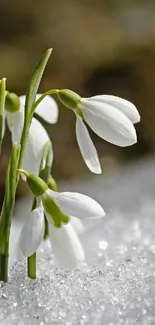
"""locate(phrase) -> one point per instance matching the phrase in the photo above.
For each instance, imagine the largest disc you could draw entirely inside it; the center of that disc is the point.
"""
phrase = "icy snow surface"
(118, 284)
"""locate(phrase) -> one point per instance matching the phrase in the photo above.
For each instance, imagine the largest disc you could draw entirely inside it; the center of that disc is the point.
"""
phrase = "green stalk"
(39, 100)
(31, 266)
(23, 144)
(4, 267)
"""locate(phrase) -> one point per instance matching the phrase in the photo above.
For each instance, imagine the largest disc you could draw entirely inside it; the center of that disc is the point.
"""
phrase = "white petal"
(22, 100)
(109, 123)
(77, 225)
(87, 147)
(37, 138)
(66, 246)
(47, 109)
(77, 205)
(33, 232)
(122, 104)
(15, 123)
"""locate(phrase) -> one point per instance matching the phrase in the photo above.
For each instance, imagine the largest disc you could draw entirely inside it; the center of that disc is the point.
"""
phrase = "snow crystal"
(117, 286)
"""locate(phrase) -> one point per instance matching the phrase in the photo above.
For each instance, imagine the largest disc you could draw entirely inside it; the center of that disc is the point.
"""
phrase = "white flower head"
(66, 245)
(58, 208)
(110, 117)
(37, 137)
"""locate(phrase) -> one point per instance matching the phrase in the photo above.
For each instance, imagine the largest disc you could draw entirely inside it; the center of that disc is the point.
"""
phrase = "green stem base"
(31, 266)
(4, 267)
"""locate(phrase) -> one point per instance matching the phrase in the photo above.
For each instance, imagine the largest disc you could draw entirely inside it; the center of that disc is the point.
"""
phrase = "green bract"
(52, 184)
(36, 185)
(69, 98)
(53, 211)
(12, 103)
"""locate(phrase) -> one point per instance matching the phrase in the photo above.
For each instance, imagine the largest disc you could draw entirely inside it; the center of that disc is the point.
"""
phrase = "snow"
(117, 285)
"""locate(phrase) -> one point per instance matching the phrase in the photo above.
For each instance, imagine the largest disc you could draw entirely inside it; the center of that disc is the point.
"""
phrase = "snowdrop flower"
(58, 209)
(110, 117)
(66, 245)
(37, 137)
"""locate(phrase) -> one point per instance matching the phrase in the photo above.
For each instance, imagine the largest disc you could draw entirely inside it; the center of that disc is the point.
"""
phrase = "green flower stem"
(31, 266)
(2, 106)
(4, 267)
(39, 100)
(23, 145)
(31, 260)
(46, 233)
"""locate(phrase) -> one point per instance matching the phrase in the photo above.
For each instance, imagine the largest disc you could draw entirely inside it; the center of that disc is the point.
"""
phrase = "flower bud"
(12, 103)
(69, 98)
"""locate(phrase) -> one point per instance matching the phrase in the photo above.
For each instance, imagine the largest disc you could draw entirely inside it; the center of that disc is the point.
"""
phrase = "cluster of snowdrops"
(110, 117)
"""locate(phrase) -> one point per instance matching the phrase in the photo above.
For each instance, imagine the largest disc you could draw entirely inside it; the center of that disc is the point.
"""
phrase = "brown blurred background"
(100, 47)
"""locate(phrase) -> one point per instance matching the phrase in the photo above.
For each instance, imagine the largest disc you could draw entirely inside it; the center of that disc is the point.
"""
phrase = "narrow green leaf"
(2, 106)
(9, 200)
(35, 81)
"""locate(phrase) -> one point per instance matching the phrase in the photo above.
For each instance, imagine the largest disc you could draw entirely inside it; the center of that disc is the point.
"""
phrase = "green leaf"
(9, 200)
(2, 106)
(35, 81)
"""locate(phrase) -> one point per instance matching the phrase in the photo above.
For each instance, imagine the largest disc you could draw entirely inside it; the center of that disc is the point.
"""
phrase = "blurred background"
(100, 47)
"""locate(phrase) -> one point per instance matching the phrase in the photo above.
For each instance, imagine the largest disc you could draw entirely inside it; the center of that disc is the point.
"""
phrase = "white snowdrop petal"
(87, 147)
(125, 106)
(22, 100)
(47, 109)
(77, 205)
(32, 232)
(109, 123)
(37, 139)
(66, 246)
(77, 225)
(15, 123)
